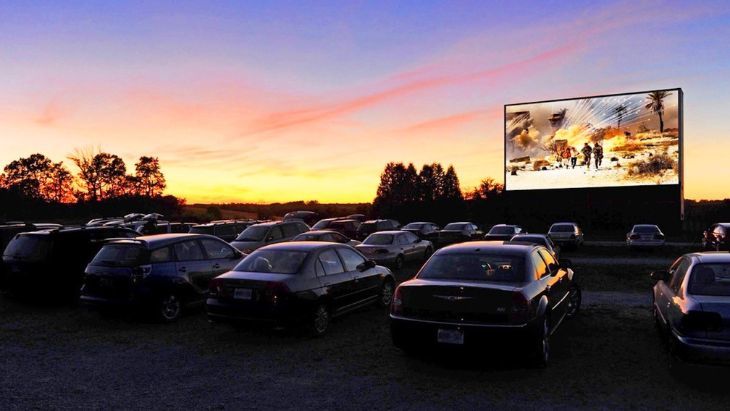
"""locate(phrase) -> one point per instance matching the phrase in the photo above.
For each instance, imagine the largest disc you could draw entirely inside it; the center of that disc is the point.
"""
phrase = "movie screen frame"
(639, 134)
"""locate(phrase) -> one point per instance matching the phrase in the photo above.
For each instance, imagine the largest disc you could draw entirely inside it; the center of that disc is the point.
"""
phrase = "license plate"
(450, 337)
(242, 294)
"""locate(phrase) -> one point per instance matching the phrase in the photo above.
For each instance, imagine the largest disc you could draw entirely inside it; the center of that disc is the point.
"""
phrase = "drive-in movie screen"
(619, 140)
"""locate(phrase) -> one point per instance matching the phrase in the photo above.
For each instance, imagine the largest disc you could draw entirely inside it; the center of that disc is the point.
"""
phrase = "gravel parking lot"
(68, 357)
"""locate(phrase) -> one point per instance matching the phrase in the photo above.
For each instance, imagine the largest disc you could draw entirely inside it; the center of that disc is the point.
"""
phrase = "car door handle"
(182, 269)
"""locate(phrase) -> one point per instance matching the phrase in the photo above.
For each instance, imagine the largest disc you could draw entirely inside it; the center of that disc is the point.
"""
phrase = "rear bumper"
(137, 297)
(645, 243)
(421, 333)
(703, 349)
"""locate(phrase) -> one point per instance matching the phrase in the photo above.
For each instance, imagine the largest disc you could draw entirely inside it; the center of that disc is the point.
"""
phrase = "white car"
(566, 234)
(645, 235)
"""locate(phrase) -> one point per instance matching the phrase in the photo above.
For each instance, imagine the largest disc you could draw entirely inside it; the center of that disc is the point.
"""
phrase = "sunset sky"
(276, 101)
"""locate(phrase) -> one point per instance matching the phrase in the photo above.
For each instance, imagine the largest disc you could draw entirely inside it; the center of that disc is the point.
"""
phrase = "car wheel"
(574, 300)
(542, 344)
(320, 321)
(169, 308)
(428, 253)
(386, 293)
(398, 264)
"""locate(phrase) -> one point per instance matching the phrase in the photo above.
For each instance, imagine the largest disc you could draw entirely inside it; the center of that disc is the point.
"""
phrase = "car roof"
(421, 222)
(390, 232)
(710, 257)
(505, 225)
(646, 225)
(461, 222)
(72, 230)
(522, 235)
(318, 232)
(377, 220)
(300, 245)
(566, 222)
(486, 247)
(161, 240)
(344, 220)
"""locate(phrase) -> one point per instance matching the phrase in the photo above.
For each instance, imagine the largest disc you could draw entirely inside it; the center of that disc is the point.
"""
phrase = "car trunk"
(461, 302)
(253, 292)
(719, 328)
(114, 270)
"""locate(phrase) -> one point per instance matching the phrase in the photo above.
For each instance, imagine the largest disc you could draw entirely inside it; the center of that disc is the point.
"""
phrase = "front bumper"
(421, 332)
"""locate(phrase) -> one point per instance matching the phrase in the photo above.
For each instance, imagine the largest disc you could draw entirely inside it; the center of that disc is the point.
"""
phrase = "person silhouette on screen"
(587, 150)
(598, 154)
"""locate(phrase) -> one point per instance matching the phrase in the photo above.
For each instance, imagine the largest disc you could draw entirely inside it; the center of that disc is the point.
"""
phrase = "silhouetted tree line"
(434, 194)
(274, 210)
(36, 187)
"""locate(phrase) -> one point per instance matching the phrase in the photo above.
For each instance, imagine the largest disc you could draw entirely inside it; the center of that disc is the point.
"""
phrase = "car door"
(222, 256)
(415, 244)
(546, 281)
(276, 235)
(366, 283)
(559, 284)
(290, 230)
(404, 246)
(192, 265)
(338, 283)
(666, 291)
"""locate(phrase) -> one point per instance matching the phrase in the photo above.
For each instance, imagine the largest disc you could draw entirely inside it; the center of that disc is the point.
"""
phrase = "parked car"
(308, 217)
(325, 235)
(395, 248)
(539, 239)
(645, 235)
(357, 217)
(691, 306)
(716, 237)
(373, 226)
(503, 232)
(424, 229)
(459, 232)
(324, 223)
(299, 283)
(54, 260)
(485, 294)
(9, 229)
(272, 232)
(566, 234)
(226, 230)
(346, 227)
(160, 273)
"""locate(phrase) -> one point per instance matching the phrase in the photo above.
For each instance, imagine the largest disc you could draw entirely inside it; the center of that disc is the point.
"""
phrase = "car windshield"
(379, 239)
(120, 255)
(710, 279)
(322, 224)
(475, 267)
(253, 233)
(502, 230)
(272, 261)
(28, 247)
(562, 228)
(455, 226)
(414, 226)
(645, 229)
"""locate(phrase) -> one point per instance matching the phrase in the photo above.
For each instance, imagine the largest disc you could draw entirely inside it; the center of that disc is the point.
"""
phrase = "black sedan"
(482, 294)
(539, 239)
(299, 283)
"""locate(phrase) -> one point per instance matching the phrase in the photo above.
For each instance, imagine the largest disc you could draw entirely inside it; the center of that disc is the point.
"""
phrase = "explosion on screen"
(630, 139)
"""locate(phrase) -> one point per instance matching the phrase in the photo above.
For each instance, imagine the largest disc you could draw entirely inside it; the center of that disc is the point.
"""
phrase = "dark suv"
(54, 260)
(162, 273)
(373, 226)
(225, 230)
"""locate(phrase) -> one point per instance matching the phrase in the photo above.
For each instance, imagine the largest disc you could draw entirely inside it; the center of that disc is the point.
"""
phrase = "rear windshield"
(28, 247)
(475, 267)
(253, 233)
(502, 230)
(321, 224)
(120, 255)
(455, 226)
(272, 261)
(531, 240)
(414, 226)
(645, 229)
(562, 228)
(201, 230)
(710, 279)
(379, 239)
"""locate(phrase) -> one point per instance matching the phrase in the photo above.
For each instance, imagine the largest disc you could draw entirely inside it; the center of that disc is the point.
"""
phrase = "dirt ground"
(610, 356)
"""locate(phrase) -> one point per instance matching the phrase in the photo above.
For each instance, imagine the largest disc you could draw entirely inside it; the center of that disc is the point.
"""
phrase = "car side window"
(188, 251)
(331, 262)
(161, 255)
(217, 249)
(539, 265)
(402, 240)
(350, 258)
(339, 238)
(678, 275)
(549, 260)
(290, 230)
(275, 233)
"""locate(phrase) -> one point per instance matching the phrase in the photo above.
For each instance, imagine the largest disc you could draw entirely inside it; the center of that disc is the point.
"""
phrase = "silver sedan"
(395, 248)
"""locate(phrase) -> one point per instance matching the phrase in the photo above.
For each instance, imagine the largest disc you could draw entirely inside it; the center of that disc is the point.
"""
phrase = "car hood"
(255, 276)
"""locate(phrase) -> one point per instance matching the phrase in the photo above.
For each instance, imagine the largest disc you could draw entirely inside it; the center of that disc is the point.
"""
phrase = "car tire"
(385, 297)
(169, 308)
(541, 343)
(398, 263)
(319, 321)
(575, 298)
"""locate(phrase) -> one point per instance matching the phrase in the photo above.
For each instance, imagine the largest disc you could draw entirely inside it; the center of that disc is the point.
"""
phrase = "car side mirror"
(566, 264)
(366, 265)
(660, 276)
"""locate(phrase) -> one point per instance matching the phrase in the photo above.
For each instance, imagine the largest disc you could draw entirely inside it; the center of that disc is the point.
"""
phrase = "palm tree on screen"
(655, 103)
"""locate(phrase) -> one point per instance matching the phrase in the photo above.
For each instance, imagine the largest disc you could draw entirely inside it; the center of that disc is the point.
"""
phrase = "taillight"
(275, 291)
(520, 310)
(215, 287)
(634, 237)
(396, 306)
